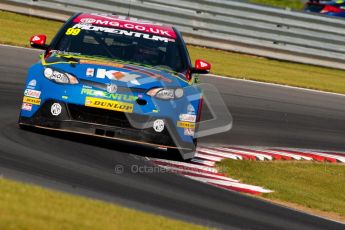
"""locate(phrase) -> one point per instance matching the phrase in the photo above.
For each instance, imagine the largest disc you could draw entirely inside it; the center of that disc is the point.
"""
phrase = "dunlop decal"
(108, 104)
(30, 100)
(186, 125)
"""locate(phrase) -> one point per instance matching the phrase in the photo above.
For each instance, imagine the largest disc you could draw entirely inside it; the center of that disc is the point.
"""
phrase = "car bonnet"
(106, 71)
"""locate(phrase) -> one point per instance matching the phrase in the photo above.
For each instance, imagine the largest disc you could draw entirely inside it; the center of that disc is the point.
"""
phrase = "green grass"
(265, 70)
(16, 30)
(24, 206)
(292, 4)
(313, 185)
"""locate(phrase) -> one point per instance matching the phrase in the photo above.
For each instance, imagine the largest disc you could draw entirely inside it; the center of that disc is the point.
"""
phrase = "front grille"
(121, 127)
(100, 116)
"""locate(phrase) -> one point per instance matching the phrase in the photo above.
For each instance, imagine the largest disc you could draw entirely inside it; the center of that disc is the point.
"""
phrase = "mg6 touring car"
(116, 77)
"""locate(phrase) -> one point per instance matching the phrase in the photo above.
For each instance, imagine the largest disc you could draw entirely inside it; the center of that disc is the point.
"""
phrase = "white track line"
(187, 165)
(259, 156)
(278, 85)
(232, 184)
(203, 162)
(182, 171)
(208, 157)
(220, 153)
(20, 47)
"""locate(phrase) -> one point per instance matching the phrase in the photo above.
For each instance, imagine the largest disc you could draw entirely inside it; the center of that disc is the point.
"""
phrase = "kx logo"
(118, 76)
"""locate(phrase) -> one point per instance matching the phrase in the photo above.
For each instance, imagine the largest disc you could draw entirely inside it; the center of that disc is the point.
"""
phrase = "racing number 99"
(72, 31)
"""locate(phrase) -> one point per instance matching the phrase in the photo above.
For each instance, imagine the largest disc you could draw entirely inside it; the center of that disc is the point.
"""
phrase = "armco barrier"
(222, 24)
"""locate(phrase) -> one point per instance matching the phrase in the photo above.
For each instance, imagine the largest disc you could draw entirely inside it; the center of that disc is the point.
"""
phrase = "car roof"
(125, 22)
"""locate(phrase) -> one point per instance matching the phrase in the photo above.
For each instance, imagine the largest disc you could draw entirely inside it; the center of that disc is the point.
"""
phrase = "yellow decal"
(108, 104)
(97, 62)
(186, 125)
(30, 100)
(72, 31)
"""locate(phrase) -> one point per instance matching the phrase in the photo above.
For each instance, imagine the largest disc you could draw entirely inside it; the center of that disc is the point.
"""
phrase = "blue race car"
(116, 77)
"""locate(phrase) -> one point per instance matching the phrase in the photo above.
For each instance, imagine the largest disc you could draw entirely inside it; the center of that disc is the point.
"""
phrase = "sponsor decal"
(26, 106)
(187, 117)
(32, 93)
(190, 109)
(118, 76)
(158, 125)
(186, 125)
(105, 63)
(90, 72)
(30, 100)
(111, 88)
(118, 18)
(109, 105)
(33, 83)
(88, 20)
(126, 23)
(87, 87)
(189, 132)
(113, 96)
(129, 33)
(56, 109)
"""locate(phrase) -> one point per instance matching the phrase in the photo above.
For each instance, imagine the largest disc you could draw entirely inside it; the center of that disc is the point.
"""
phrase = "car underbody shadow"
(141, 150)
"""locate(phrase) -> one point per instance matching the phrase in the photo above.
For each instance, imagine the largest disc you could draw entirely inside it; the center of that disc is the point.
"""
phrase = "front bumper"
(101, 122)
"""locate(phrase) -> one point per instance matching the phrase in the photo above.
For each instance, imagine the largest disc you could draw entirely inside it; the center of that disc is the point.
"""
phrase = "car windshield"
(120, 44)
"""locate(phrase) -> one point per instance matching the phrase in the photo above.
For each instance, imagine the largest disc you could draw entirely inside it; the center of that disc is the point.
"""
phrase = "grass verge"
(292, 4)
(312, 185)
(25, 206)
(16, 30)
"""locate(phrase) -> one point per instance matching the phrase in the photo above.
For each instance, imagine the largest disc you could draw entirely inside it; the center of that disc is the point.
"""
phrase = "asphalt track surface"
(263, 115)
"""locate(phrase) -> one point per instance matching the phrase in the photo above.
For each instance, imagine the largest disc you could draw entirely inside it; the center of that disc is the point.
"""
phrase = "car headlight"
(59, 77)
(166, 94)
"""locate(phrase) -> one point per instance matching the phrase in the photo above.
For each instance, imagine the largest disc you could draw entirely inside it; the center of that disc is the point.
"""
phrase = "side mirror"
(201, 66)
(39, 41)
